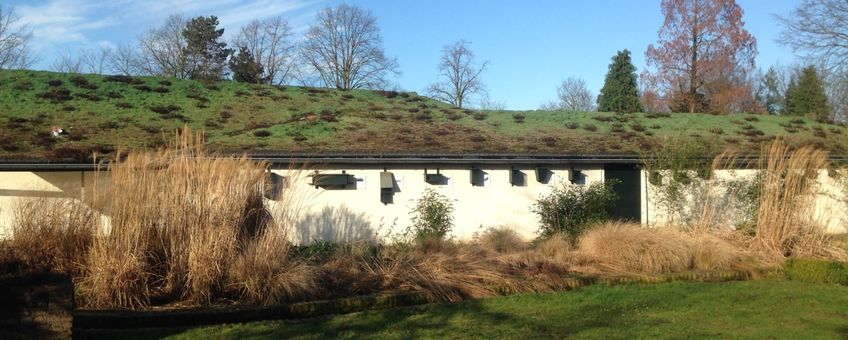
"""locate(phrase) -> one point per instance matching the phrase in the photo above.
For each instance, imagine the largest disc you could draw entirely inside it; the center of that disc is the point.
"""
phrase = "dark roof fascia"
(333, 160)
(351, 160)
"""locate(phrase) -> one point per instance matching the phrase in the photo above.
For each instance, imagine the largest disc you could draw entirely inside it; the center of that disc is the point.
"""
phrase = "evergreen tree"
(620, 92)
(805, 96)
(769, 91)
(205, 52)
(245, 68)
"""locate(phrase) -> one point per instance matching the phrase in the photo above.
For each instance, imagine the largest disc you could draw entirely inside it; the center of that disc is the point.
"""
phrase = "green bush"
(432, 217)
(818, 271)
(571, 209)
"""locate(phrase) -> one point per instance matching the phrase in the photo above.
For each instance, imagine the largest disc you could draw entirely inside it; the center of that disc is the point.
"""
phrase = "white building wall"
(358, 213)
(830, 204)
(346, 215)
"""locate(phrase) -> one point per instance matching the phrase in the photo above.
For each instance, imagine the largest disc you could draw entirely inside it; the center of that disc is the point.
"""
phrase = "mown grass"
(751, 309)
(103, 115)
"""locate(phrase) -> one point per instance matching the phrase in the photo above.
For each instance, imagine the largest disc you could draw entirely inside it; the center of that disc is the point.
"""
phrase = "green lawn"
(752, 309)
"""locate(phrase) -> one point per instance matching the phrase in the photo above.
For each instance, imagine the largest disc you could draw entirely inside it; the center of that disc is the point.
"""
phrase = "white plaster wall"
(830, 207)
(346, 215)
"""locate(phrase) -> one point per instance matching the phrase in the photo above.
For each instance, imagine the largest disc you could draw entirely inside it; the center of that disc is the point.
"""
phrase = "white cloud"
(73, 21)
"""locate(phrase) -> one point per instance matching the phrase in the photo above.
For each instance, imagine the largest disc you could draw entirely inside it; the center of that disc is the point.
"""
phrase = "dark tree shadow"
(337, 224)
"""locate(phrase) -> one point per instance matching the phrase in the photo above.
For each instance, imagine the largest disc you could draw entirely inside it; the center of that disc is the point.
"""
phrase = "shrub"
(387, 94)
(631, 248)
(572, 126)
(83, 83)
(818, 271)
(432, 217)
(479, 115)
(23, 85)
(262, 133)
(518, 118)
(124, 105)
(54, 82)
(571, 209)
(165, 109)
(56, 94)
(590, 127)
(124, 79)
(114, 95)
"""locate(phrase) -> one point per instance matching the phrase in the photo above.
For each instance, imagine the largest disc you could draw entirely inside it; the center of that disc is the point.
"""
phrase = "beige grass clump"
(713, 253)
(264, 273)
(631, 248)
(502, 239)
(53, 234)
(557, 248)
(452, 273)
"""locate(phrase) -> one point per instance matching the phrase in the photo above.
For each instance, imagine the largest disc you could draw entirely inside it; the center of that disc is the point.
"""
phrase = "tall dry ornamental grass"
(787, 221)
(179, 218)
(53, 234)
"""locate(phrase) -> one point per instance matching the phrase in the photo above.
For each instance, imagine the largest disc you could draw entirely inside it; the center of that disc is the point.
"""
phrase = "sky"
(531, 45)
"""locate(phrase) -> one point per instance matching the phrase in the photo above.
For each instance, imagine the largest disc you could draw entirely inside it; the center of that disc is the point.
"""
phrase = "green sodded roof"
(107, 113)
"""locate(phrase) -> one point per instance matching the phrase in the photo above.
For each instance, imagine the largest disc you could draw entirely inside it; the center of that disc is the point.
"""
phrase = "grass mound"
(630, 248)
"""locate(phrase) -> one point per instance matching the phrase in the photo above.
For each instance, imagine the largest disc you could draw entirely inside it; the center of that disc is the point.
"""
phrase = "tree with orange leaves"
(703, 57)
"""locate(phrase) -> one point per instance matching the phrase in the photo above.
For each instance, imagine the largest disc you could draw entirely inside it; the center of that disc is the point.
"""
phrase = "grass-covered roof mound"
(105, 113)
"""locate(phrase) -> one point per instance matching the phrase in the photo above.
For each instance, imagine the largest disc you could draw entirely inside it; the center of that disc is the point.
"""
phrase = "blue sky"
(531, 45)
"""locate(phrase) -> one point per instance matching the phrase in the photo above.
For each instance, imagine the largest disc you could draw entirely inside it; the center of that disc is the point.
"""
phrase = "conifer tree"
(620, 92)
(206, 53)
(245, 68)
(805, 96)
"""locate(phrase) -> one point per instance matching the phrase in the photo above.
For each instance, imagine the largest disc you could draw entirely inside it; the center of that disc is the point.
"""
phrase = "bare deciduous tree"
(461, 78)
(96, 61)
(270, 42)
(15, 51)
(345, 49)
(67, 63)
(162, 51)
(818, 30)
(573, 95)
(125, 61)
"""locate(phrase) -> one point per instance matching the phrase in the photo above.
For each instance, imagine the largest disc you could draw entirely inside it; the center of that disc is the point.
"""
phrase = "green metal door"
(628, 188)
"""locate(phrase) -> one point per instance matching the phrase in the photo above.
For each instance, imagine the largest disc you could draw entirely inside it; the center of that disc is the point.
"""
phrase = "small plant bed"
(750, 309)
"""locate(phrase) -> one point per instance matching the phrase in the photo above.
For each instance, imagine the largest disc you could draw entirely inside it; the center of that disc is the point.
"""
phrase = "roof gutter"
(348, 160)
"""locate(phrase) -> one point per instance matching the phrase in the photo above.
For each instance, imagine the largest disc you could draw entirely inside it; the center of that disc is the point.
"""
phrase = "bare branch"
(461, 78)
(344, 49)
(15, 52)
